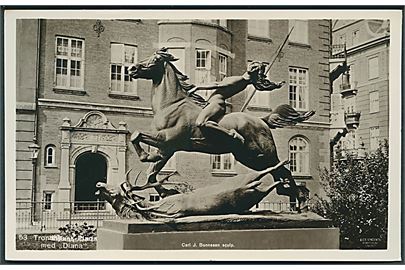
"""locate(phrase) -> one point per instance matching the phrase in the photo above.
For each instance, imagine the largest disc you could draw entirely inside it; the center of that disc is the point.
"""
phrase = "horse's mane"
(185, 86)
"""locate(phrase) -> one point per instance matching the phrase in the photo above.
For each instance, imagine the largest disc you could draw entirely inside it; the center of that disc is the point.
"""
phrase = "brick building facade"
(76, 101)
(360, 101)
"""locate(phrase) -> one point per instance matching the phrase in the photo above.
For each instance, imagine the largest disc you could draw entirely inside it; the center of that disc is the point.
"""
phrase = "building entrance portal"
(90, 169)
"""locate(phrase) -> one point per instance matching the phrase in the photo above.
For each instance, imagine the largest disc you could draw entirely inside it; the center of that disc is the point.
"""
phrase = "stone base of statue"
(264, 230)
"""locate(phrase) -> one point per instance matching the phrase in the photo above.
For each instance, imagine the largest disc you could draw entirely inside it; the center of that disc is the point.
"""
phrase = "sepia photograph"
(203, 135)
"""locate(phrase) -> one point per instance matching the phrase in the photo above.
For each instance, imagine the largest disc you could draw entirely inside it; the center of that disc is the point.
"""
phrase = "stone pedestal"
(226, 232)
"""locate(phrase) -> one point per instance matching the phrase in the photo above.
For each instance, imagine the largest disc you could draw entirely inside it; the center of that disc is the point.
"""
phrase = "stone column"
(64, 186)
(122, 138)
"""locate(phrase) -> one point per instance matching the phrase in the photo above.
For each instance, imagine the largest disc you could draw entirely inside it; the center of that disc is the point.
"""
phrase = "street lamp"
(34, 148)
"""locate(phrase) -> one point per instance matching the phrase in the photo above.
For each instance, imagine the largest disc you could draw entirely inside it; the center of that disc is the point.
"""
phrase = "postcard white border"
(393, 251)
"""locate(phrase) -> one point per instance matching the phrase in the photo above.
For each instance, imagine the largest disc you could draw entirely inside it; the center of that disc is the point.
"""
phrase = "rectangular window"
(374, 102)
(69, 62)
(48, 199)
(202, 70)
(298, 88)
(223, 66)
(374, 137)
(154, 197)
(258, 28)
(222, 163)
(300, 32)
(122, 56)
(373, 69)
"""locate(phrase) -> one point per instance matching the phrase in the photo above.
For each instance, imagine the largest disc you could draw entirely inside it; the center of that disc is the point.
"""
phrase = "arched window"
(299, 156)
(50, 155)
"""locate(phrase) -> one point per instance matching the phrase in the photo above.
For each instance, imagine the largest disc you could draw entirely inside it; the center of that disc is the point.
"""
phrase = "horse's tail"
(285, 115)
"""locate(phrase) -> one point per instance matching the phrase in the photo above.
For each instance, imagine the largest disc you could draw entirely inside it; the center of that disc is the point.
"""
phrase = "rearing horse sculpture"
(174, 128)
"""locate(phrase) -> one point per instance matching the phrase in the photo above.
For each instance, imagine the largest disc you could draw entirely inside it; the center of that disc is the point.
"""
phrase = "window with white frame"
(299, 156)
(122, 56)
(222, 163)
(48, 199)
(202, 70)
(373, 68)
(298, 88)
(50, 156)
(374, 102)
(223, 66)
(258, 28)
(300, 32)
(374, 137)
(69, 62)
(154, 197)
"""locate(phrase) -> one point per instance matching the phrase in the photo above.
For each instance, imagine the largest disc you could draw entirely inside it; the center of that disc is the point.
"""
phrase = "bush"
(357, 199)
(78, 231)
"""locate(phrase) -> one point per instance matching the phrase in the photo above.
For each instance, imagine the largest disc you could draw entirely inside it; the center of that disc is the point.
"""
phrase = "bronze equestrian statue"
(174, 126)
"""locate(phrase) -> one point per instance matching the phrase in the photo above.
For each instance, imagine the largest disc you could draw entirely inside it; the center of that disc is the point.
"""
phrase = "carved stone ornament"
(95, 120)
(94, 137)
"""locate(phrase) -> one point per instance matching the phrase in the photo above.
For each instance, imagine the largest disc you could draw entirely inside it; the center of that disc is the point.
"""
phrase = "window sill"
(259, 108)
(50, 167)
(120, 95)
(223, 173)
(260, 39)
(69, 91)
(302, 177)
(297, 44)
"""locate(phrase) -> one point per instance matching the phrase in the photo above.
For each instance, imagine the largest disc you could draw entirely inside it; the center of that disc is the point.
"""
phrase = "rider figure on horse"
(227, 88)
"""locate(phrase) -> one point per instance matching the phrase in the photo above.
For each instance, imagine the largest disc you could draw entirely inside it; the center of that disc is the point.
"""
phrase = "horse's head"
(152, 67)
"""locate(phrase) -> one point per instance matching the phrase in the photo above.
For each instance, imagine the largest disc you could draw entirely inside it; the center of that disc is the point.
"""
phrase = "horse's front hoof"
(134, 136)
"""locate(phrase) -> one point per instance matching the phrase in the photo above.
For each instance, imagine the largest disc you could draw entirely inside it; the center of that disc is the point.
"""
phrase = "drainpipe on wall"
(34, 147)
(34, 156)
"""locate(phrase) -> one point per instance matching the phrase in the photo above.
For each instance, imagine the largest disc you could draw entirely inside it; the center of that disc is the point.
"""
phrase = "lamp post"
(34, 148)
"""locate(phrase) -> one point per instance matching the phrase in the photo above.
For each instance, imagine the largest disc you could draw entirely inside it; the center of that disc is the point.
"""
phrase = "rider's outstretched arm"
(204, 87)
(232, 81)
(267, 85)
